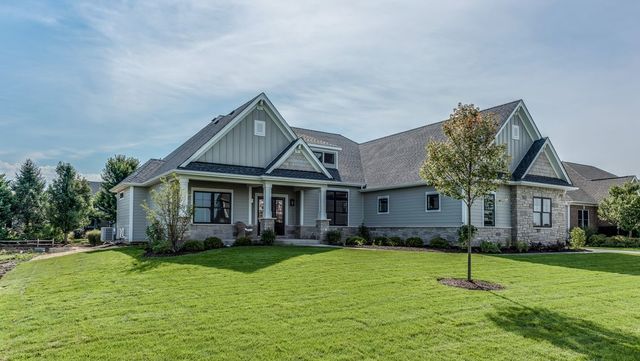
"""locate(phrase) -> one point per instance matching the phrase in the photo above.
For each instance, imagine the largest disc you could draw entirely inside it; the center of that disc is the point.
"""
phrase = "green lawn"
(299, 303)
(616, 248)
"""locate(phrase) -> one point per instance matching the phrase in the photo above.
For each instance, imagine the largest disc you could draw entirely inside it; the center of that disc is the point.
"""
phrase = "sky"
(82, 81)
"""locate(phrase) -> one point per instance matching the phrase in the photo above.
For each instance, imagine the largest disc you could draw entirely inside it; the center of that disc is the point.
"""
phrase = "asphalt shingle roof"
(593, 183)
(258, 171)
(528, 158)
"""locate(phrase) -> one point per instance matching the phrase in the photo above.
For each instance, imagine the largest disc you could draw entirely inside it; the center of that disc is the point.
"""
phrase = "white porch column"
(184, 192)
(250, 215)
(267, 200)
(322, 203)
(301, 206)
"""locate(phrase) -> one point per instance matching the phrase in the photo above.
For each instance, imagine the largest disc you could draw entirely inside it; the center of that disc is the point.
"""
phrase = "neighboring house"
(250, 166)
(594, 184)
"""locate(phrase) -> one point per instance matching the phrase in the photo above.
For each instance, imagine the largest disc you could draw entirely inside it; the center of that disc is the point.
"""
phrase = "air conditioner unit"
(107, 234)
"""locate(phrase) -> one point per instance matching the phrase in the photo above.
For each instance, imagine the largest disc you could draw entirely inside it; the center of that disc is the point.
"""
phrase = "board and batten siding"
(515, 148)
(140, 195)
(407, 209)
(503, 209)
(123, 204)
(311, 199)
(241, 147)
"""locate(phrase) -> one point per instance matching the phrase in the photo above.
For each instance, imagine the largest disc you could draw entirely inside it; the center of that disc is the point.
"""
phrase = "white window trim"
(348, 203)
(256, 123)
(274, 195)
(426, 195)
(378, 204)
(515, 132)
(202, 189)
(495, 210)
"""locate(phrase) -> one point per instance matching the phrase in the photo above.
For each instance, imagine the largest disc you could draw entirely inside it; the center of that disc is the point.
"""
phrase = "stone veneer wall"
(522, 215)
(501, 235)
(202, 231)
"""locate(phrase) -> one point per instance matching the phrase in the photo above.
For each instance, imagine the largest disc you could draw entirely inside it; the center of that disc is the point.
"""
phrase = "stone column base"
(267, 223)
(322, 227)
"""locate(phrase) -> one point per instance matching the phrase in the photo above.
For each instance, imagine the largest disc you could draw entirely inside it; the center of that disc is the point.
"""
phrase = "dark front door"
(278, 209)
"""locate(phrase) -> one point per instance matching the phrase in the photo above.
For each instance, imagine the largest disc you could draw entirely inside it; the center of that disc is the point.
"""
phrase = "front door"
(278, 210)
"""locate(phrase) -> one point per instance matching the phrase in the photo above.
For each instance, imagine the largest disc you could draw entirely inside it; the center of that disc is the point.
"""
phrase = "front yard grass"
(304, 303)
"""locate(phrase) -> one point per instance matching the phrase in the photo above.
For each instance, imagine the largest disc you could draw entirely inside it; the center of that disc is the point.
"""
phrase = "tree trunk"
(469, 241)
(630, 234)
(66, 237)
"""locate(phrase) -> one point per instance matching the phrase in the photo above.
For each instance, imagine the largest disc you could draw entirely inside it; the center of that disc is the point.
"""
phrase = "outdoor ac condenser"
(107, 234)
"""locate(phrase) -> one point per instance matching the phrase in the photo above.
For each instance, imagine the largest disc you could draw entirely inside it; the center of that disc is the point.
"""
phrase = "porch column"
(267, 221)
(184, 193)
(322, 223)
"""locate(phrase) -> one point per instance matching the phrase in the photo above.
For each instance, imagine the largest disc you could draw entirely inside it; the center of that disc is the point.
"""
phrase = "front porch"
(297, 210)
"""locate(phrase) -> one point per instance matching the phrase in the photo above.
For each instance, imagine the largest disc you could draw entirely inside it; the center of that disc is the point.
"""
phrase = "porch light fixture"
(292, 202)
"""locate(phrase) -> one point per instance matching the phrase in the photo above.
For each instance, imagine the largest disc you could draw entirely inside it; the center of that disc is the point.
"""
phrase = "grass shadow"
(239, 259)
(577, 335)
(600, 262)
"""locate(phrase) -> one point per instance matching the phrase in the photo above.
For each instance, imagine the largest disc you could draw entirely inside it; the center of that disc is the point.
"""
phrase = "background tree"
(69, 199)
(115, 171)
(28, 210)
(6, 203)
(468, 164)
(169, 211)
(622, 207)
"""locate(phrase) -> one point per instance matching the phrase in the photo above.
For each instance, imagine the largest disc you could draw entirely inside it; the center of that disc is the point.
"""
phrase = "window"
(490, 210)
(212, 207)
(326, 157)
(433, 202)
(121, 194)
(259, 128)
(338, 208)
(515, 132)
(383, 205)
(541, 212)
(583, 218)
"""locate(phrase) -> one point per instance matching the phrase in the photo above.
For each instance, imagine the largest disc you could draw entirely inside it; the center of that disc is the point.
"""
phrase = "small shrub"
(381, 241)
(192, 246)
(363, 232)
(242, 241)
(161, 247)
(622, 241)
(94, 237)
(333, 236)
(267, 237)
(212, 243)
(463, 234)
(489, 247)
(578, 238)
(154, 231)
(396, 242)
(78, 234)
(555, 247)
(355, 241)
(522, 246)
(414, 242)
(596, 240)
(439, 242)
(590, 231)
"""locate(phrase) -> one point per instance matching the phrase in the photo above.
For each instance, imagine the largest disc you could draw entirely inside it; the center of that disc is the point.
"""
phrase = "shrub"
(463, 234)
(578, 238)
(396, 242)
(363, 232)
(596, 240)
(154, 231)
(161, 247)
(94, 237)
(242, 241)
(489, 247)
(438, 242)
(212, 243)
(192, 246)
(355, 241)
(333, 236)
(590, 231)
(414, 242)
(621, 241)
(381, 241)
(555, 247)
(78, 234)
(267, 237)
(522, 246)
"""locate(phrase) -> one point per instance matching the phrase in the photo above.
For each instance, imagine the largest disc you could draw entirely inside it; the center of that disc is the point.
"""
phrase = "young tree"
(622, 207)
(468, 164)
(169, 210)
(69, 199)
(28, 210)
(115, 171)
(6, 203)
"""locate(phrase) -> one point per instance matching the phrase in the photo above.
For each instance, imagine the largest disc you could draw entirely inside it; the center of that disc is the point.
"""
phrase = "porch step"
(297, 242)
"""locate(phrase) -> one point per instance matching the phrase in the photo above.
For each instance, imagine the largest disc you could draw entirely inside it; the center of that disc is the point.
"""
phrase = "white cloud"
(48, 172)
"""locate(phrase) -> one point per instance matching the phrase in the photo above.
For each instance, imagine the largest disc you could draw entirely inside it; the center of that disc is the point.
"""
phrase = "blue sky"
(82, 81)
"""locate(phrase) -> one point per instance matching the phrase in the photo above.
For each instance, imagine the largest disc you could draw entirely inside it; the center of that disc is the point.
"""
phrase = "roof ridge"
(610, 178)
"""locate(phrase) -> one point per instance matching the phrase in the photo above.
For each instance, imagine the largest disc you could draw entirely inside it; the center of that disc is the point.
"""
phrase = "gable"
(542, 167)
(528, 133)
(298, 161)
(297, 156)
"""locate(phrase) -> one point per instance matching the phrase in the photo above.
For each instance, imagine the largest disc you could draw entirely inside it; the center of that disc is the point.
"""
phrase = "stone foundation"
(202, 231)
(322, 226)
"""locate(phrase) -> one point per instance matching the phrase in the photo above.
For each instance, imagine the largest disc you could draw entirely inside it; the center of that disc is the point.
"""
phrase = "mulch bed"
(6, 267)
(476, 285)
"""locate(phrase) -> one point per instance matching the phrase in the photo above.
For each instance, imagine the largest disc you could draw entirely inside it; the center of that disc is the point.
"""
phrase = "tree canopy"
(622, 207)
(6, 203)
(468, 164)
(69, 199)
(115, 171)
(28, 188)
